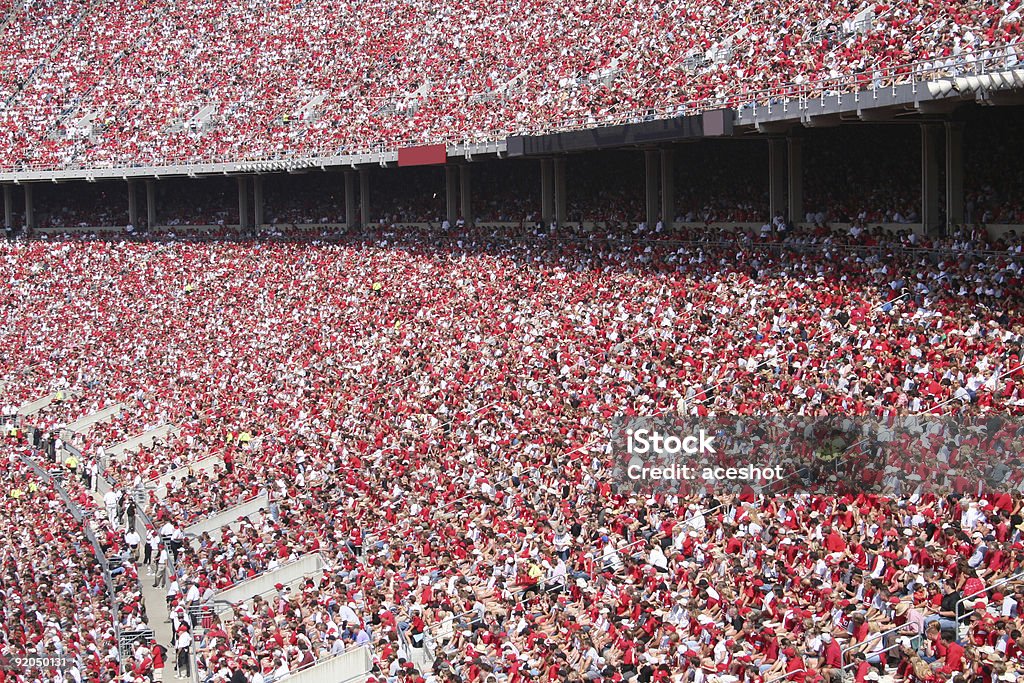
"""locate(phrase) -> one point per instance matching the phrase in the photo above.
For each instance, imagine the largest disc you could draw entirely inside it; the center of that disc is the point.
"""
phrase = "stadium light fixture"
(962, 85)
(940, 88)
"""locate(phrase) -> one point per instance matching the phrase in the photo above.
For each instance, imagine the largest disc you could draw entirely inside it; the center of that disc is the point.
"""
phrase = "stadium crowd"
(134, 83)
(433, 415)
(57, 612)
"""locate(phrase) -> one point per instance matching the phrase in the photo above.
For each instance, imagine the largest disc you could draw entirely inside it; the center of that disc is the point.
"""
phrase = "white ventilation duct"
(940, 88)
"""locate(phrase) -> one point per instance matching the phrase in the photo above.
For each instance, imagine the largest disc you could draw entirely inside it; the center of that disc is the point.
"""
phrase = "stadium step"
(159, 485)
(147, 438)
(84, 424)
(228, 517)
(33, 407)
(350, 667)
(291, 576)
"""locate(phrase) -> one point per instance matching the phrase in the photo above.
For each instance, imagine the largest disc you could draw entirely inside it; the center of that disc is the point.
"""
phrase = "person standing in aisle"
(182, 644)
(160, 576)
(152, 544)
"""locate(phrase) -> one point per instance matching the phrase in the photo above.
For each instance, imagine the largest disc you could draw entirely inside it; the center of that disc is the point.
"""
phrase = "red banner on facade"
(425, 155)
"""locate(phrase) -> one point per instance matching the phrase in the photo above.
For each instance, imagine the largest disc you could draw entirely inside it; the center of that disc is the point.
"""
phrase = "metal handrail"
(786, 675)
(79, 517)
(881, 635)
(888, 648)
(1002, 582)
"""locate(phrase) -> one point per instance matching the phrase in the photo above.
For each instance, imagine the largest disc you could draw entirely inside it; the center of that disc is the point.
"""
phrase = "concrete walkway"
(155, 599)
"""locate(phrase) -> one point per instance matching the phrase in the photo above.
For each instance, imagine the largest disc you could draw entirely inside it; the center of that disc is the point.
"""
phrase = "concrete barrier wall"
(205, 465)
(228, 517)
(290, 575)
(351, 667)
(161, 433)
(33, 407)
(83, 424)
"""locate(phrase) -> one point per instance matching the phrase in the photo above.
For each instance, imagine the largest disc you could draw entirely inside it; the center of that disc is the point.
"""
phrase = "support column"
(30, 214)
(451, 200)
(776, 176)
(668, 187)
(350, 199)
(466, 192)
(929, 176)
(133, 204)
(243, 201)
(8, 207)
(954, 173)
(651, 164)
(547, 191)
(257, 201)
(561, 201)
(151, 221)
(364, 197)
(796, 179)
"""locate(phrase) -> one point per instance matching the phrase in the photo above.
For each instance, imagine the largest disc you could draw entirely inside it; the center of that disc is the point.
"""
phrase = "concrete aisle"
(156, 610)
(155, 600)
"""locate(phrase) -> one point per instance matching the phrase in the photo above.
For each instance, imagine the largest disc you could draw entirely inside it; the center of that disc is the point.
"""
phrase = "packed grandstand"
(137, 83)
(308, 448)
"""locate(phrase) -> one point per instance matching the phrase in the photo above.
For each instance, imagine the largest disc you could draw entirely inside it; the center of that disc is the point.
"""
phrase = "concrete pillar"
(243, 201)
(133, 204)
(954, 173)
(257, 200)
(668, 186)
(8, 207)
(30, 212)
(466, 192)
(151, 219)
(350, 199)
(364, 197)
(561, 201)
(547, 191)
(796, 179)
(776, 176)
(651, 164)
(451, 188)
(929, 176)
